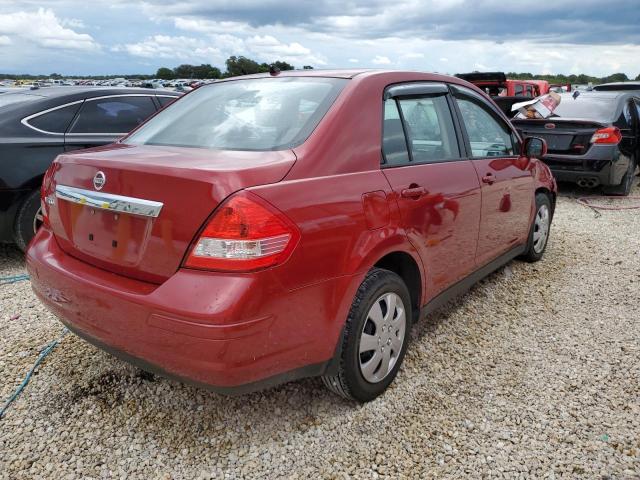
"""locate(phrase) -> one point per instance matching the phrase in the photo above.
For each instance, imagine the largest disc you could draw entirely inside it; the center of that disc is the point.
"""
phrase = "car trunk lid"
(563, 136)
(152, 201)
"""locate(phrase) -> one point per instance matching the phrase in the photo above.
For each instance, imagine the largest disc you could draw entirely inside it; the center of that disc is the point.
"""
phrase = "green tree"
(616, 77)
(243, 66)
(206, 71)
(165, 73)
(283, 65)
(307, 67)
(184, 71)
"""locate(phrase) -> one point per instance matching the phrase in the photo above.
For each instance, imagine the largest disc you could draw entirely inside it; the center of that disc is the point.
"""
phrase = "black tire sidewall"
(532, 255)
(625, 186)
(386, 282)
(23, 226)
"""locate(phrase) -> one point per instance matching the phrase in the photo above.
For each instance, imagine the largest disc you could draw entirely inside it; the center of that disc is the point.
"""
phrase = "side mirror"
(534, 147)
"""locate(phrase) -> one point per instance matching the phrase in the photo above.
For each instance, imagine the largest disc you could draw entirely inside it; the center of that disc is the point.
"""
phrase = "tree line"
(581, 79)
(236, 65)
(240, 65)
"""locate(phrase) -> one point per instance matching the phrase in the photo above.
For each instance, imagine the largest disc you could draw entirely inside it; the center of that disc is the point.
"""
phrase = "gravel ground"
(533, 374)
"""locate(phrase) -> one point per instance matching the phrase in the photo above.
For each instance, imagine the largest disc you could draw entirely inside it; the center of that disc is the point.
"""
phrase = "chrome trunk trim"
(110, 202)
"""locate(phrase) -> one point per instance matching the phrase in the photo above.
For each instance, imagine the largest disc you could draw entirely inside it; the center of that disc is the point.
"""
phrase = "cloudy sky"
(117, 36)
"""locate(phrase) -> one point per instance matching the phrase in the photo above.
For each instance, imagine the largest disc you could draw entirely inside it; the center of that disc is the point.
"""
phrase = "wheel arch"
(552, 197)
(406, 267)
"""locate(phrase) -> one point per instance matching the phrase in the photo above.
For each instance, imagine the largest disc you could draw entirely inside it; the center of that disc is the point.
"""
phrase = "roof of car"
(617, 86)
(348, 74)
(596, 94)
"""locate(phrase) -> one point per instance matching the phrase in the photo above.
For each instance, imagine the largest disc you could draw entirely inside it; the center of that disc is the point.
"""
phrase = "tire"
(28, 220)
(626, 184)
(356, 377)
(540, 229)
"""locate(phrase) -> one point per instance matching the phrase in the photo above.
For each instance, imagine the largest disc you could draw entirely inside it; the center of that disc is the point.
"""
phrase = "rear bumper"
(230, 333)
(604, 165)
(601, 177)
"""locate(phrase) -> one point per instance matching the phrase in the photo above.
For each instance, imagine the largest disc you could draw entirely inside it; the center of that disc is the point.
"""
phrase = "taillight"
(47, 198)
(610, 135)
(245, 234)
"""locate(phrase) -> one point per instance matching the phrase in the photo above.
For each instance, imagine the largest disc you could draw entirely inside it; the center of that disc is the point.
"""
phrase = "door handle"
(489, 179)
(413, 192)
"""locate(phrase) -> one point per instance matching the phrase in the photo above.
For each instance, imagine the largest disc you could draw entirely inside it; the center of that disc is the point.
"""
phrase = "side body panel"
(442, 224)
(506, 205)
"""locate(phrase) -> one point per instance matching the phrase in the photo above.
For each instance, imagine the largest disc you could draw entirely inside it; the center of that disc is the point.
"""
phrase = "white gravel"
(533, 374)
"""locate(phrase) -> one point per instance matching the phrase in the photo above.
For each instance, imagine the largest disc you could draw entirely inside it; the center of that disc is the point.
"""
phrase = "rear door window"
(429, 129)
(113, 115)
(55, 121)
(164, 101)
(519, 90)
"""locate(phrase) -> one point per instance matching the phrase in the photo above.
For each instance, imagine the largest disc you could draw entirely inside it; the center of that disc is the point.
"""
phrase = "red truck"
(506, 92)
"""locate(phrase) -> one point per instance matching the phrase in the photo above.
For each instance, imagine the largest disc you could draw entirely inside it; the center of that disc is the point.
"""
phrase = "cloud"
(266, 47)
(381, 60)
(569, 21)
(572, 36)
(164, 46)
(73, 23)
(45, 29)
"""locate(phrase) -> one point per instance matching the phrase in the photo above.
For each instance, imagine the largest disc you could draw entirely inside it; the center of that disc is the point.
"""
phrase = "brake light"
(47, 199)
(610, 135)
(245, 234)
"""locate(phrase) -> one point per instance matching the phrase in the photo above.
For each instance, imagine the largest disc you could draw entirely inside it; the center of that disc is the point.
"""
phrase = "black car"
(592, 139)
(617, 86)
(37, 125)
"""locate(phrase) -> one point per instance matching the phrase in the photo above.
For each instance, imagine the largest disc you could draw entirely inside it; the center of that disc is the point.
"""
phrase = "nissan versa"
(267, 228)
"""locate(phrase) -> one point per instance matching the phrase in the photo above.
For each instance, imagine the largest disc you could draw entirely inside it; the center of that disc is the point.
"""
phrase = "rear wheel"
(28, 220)
(375, 338)
(627, 182)
(540, 229)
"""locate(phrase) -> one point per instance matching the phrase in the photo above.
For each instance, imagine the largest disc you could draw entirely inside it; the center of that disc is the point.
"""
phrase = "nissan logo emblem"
(99, 180)
(549, 126)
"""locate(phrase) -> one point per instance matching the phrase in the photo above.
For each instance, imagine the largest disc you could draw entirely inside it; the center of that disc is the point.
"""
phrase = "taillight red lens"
(609, 135)
(245, 234)
(47, 198)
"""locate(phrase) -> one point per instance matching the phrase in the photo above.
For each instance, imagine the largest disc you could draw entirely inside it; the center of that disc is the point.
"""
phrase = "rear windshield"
(257, 114)
(12, 98)
(601, 109)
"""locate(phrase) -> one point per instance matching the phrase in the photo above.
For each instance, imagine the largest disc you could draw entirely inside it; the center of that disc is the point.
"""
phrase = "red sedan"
(273, 227)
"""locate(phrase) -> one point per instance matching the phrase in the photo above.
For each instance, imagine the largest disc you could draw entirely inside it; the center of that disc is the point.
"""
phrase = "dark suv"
(37, 125)
(592, 139)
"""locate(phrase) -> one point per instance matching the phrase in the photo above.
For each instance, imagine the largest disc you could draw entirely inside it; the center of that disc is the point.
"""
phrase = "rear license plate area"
(111, 236)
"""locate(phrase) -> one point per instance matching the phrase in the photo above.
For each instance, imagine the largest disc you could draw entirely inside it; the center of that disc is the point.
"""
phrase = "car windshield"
(256, 114)
(13, 98)
(588, 107)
